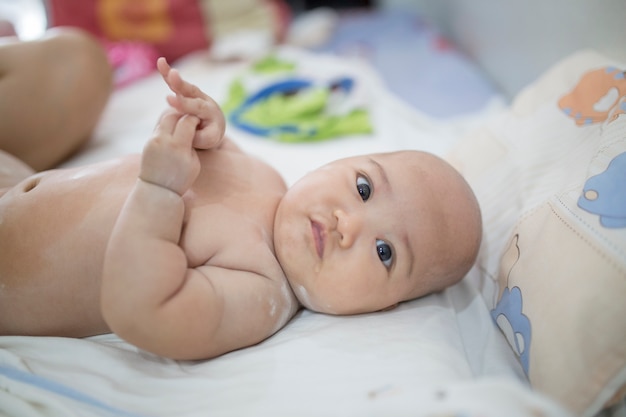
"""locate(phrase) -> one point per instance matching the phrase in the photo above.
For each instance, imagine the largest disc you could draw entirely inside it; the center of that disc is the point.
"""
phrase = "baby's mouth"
(318, 237)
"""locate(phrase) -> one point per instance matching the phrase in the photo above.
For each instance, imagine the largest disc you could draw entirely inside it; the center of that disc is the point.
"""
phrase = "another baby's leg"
(52, 92)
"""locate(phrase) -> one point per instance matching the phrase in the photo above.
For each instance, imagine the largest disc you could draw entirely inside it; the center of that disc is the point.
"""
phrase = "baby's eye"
(385, 254)
(363, 187)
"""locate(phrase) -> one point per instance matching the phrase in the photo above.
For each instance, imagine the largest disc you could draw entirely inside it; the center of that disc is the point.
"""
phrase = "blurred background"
(511, 42)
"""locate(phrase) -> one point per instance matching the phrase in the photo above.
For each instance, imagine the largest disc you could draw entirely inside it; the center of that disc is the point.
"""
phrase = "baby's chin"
(318, 305)
(330, 302)
(311, 302)
(306, 299)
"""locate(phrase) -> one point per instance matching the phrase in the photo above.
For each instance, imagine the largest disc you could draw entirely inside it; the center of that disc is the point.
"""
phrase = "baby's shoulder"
(259, 169)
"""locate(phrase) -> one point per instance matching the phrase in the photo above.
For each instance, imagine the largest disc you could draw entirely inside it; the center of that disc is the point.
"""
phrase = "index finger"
(176, 83)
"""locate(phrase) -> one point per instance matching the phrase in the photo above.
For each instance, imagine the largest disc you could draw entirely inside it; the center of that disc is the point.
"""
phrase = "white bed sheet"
(440, 355)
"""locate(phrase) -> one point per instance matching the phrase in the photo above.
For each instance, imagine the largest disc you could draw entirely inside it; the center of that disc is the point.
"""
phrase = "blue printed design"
(618, 75)
(63, 391)
(514, 323)
(605, 194)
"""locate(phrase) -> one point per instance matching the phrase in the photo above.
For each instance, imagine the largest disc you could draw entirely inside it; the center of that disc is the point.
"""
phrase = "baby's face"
(361, 234)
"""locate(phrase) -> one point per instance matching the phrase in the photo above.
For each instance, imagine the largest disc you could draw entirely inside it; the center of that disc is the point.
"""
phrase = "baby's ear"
(391, 307)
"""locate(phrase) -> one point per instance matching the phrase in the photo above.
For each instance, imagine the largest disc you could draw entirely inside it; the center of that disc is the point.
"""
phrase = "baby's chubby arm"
(149, 296)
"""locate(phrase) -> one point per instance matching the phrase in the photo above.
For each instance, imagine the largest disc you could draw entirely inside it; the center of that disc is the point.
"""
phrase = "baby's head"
(362, 234)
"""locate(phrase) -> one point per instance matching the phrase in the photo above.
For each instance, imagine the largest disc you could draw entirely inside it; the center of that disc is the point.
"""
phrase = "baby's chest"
(230, 232)
(229, 213)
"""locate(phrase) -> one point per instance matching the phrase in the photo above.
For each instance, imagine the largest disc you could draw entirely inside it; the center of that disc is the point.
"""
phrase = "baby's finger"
(209, 136)
(182, 87)
(176, 83)
(173, 101)
(163, 67)
(185, 130)
(170, 75)
(167, 121)
(204, 108)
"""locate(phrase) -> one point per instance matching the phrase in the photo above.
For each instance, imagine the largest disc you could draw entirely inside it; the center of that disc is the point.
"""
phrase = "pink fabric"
(130, 60)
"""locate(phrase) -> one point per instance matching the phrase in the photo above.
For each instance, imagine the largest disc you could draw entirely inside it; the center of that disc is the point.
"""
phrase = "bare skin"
(194, 248)
(189, 252)
(58, 86)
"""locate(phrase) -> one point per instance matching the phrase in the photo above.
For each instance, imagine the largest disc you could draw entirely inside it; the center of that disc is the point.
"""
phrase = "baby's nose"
(348, 227)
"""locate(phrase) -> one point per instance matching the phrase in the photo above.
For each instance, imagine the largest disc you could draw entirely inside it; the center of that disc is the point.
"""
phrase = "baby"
(194, 248)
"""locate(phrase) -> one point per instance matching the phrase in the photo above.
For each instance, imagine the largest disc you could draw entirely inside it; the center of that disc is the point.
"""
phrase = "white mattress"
(439, 355)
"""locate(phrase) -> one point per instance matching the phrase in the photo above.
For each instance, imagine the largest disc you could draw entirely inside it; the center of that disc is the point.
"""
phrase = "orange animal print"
(600, 95)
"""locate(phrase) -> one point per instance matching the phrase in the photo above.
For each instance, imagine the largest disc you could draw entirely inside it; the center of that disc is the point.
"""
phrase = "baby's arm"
(149, 295)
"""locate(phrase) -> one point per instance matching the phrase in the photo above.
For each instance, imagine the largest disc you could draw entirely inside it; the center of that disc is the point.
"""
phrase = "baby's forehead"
(404, 158)
(423, 165)
(422, 181)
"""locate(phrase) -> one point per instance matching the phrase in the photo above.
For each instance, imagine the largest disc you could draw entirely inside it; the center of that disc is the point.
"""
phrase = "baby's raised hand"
(189, 99)
(169, 160)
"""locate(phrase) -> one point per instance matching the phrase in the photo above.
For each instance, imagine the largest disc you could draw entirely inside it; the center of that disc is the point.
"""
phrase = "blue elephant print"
(514, 323)
(605, 194)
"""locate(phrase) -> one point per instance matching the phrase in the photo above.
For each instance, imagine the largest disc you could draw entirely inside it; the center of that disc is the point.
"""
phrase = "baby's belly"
(54, 228)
